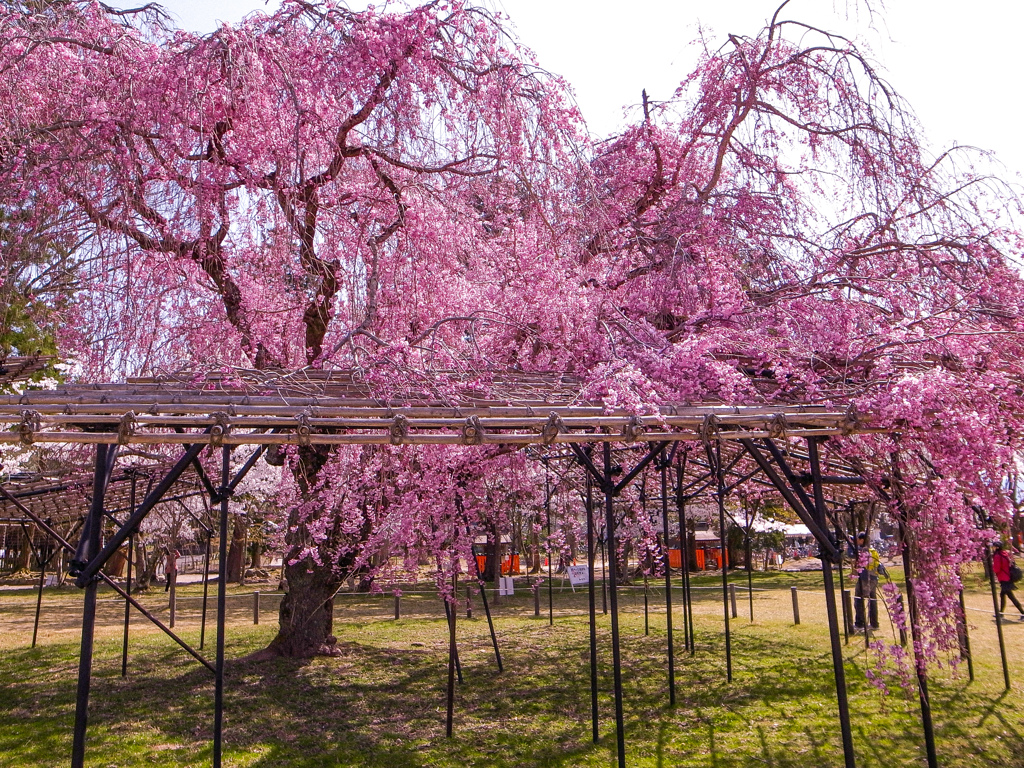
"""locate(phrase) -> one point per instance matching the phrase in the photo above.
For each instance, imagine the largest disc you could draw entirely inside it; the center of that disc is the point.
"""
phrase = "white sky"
(958, 64)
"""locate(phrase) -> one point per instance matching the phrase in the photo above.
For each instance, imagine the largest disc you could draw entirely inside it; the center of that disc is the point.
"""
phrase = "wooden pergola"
(339, 407)
(22, 367)
(335, 408)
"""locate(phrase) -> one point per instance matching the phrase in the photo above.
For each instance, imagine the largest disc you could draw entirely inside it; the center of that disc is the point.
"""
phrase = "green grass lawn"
(382, 701)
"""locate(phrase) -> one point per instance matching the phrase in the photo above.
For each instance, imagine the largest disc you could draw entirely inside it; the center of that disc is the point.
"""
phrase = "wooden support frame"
(326, 408)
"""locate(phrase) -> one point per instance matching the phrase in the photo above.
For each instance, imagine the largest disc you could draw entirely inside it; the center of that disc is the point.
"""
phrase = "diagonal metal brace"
(791, 476)
(49, 531)
(652, 454)
(806, 516)
(152, 499)
(581, 455)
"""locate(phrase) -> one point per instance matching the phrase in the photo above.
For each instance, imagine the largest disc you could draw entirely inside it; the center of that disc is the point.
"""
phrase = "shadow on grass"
(381, 703)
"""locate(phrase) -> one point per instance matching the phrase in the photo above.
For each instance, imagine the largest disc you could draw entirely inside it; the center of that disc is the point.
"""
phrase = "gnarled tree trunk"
(307, 612)
(306, 617)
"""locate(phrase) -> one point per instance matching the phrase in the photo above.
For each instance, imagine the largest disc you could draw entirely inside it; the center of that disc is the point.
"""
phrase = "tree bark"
(236, 554)
(306, 617)
(307, 613)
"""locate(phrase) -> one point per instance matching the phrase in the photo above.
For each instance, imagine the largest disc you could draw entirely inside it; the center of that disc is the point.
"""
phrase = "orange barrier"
(511, 565)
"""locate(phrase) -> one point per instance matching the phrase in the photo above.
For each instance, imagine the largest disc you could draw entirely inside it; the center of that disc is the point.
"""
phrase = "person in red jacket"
(1001, 568)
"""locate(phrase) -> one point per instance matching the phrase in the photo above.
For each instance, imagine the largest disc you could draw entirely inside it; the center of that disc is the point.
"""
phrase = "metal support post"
(92, 535)
(128, 584)
(715, 459)
(172, 602)
(39, 598)
(919, 664)
(592, 606)
(448, 609)
(668, 584)
(966, 638)
(90, 569)
(620, 735)
(547, 515)
(647, 608)
(604, 575)
(844, 595)
(256, 607)
(847, 614)
(732, 601)
(452, 660)
(830, 608)
(998, 615)
(131, 556)
(206, 588)
(487, 612)
(750, 576)
(222, 578)
(684, 554)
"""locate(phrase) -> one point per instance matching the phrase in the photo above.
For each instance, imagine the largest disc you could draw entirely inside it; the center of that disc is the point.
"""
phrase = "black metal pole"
(967, 638)
(92, 546)
(39, 600)
(842, 591)
(922, 675)
(128, 584)
(668, 585)
(830, 607)
(750, 576)
(593, 607)
(127, 607)
(206, 589)
(684, 555)
(998, 615)
(487, 612)
(458, 663)
(152, 499)
(109, 581)
(647, 608)
(452, 662)
(647, 600)
(604, 574)
(620, 735)
(720, 474)
(222, 578)
(547, 514)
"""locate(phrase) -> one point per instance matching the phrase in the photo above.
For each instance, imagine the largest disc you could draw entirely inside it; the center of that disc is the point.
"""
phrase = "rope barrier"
(990, 612)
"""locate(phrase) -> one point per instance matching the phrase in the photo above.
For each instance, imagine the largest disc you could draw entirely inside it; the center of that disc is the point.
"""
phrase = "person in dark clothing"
(866, 590)
(1001, 568)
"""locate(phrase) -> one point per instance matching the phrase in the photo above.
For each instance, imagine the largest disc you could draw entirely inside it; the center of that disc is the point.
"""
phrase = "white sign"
(505, 586)
(579, 575)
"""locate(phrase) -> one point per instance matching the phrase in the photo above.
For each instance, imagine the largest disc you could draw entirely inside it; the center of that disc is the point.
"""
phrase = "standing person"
(171, 566)
(1001, 565)
(867, 585)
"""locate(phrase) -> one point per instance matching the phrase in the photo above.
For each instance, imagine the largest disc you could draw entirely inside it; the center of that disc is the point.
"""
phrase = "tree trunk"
(534, 552)
(116, 564)
(307, 613)
(23, 562)
(236, 554)
(306, 617)
(146, 559)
